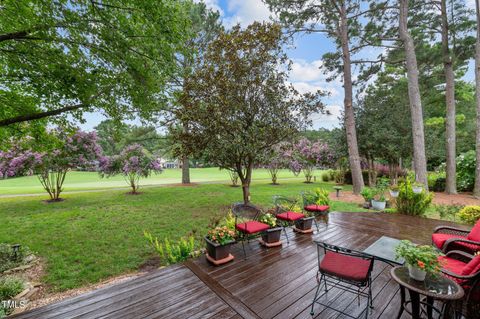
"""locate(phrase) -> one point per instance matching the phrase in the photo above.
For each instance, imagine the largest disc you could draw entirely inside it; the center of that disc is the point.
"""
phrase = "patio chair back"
(283, 203)
(243, 211)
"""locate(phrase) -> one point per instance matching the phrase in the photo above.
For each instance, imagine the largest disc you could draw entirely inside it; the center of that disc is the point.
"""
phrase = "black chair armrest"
(451, 230)
(450, 244)
(459, 255)
(457, 276)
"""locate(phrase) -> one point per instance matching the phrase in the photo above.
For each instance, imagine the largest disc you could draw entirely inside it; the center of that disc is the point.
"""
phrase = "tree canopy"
(63, 57)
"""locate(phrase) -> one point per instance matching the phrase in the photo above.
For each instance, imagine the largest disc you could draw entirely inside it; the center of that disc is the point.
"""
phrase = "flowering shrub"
(469, 214)
(306, 156)
(424, 257)
(221, 235)
(466, 170)
(268, 219)
(79, 150)
(134, 162)
(17, 162)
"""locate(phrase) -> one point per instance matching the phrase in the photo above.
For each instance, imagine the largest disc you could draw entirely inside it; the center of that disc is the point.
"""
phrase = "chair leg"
(316, 224)
(315, 298)
(286, 235)
(243, 246)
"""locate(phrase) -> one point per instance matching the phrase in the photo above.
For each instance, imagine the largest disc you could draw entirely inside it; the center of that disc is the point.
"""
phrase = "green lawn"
(91, 180)
(92, 236)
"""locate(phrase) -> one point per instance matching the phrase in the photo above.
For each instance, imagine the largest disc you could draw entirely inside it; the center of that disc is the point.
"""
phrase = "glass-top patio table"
(383, 249)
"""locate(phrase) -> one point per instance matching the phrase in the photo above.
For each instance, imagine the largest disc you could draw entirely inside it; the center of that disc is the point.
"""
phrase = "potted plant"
(270, 237)
(219, 241)
(417, 188)
(379, 202)
(367, 194)
(394, 191)
(420, 259)
(304, 225)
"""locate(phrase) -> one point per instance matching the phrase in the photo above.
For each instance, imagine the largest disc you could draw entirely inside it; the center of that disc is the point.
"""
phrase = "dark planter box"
(217, 251)
(304, 223)
(272, 235)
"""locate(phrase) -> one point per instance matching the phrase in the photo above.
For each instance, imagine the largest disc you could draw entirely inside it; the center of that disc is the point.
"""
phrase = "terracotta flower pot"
(219, 253)
(304, 225)
(271, 237)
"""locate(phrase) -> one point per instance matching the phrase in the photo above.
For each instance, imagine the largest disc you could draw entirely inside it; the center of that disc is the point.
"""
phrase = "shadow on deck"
(270, 283)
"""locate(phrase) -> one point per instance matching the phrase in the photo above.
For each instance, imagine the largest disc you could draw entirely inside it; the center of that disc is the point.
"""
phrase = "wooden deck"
(271, 283)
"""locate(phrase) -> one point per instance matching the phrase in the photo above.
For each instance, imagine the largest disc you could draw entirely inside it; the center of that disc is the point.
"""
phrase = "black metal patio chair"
(285, 213)
(246, 222)
(343, 269)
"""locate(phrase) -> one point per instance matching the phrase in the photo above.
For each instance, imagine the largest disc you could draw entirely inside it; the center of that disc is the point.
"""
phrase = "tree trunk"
(350, 128)
(476, 190)
(185, 170)
(245, 178)
(419, 158)
(451, 182)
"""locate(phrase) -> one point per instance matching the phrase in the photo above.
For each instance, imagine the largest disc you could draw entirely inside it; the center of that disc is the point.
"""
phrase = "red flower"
(421, 264)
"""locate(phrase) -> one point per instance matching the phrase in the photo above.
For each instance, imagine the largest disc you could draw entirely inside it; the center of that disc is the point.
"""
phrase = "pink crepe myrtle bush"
(78, 151)
(71, 151)
(275, 161)
(306, 156)
(134, 162)
(17, 162)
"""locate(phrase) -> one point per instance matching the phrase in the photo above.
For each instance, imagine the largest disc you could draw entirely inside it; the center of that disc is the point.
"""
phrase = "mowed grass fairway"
(76, 181)
(95, 235)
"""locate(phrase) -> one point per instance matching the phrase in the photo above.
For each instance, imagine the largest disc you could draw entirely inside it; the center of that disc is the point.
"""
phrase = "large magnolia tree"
(239, 104)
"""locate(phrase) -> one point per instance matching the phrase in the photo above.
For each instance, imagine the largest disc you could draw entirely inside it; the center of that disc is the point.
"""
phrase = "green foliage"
(319, 196)
(114, 57)
(424, 257)
(469, 214)
(326, 176)
(410, 203)
(367, 193)
(268, 219)
(466, 170)
(229, 220)
(172, 253)
(10, 286)
(221, 235)
(8, 259)
(436, 181)
(448, 212)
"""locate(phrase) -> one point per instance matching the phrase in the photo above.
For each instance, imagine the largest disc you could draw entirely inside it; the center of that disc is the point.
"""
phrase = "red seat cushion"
(347, 267)
(453, 265)
(317, 208)
(440, 239)
(252, 227)
(290, 216)
(472, 267)
(475, 232)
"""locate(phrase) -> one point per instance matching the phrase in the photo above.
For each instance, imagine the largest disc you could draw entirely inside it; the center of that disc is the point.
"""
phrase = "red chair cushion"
(290, 216)
(453, 265)
(346, 267)
(472, 267)
(475, 232)
(317, 208)
(252, 227)
(440, 239)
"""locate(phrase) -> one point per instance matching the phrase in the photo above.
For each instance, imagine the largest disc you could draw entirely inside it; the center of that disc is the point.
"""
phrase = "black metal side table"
(433, 288)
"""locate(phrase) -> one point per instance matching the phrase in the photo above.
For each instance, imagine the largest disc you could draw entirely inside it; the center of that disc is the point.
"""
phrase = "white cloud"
(306, 71)
(245, 12)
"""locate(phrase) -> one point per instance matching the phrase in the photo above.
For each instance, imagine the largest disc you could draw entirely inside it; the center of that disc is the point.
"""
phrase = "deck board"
(271, 283)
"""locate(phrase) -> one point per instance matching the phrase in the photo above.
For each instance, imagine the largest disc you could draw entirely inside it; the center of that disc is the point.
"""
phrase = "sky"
(305, 53)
